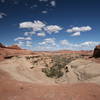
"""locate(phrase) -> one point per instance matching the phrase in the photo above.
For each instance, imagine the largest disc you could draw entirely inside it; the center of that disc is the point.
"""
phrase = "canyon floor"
(61, 75)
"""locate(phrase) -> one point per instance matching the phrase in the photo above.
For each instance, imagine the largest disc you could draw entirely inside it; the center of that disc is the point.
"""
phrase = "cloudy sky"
(50, 24)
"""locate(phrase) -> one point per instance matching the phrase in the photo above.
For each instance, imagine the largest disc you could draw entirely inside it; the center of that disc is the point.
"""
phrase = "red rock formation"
(96, 53)
(11, 51)
(14, 47)
(2, 46)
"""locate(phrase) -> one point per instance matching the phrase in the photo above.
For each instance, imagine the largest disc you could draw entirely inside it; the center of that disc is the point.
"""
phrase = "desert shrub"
(18, 57)
(52, 72)
(59, 62)
(8, 57)
(28, 57)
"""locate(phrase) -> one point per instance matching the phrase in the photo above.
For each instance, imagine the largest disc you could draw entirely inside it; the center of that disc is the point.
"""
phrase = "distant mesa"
(14, 47)
(10, 47)
(11, 51)
(96, 53)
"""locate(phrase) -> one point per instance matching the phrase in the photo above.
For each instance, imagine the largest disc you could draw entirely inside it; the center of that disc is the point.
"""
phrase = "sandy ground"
(15, 90)
(19, 82)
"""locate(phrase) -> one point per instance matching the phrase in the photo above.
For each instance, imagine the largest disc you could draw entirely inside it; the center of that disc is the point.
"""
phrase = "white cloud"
(53, 29)
(88, 45)
(53, 3)
(64, 45)
(38, 25)
(22, 38)
(20, 43)
(39, 28)
(2, 15)
(19, 38)
(48, 44)
(44, 12)
(64, 42)
(26, 25)
(26, 33)
(29, 33)
(28, 38)
(48, 41)
(28, 43)
(76, 34)
(79, 29)
(41, 34)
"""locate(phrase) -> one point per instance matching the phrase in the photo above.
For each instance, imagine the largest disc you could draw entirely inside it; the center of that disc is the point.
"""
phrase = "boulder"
(96, 53)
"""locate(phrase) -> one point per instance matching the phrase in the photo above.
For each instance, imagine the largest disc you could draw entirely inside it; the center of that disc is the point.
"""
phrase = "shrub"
(59, 62)
(52, 72)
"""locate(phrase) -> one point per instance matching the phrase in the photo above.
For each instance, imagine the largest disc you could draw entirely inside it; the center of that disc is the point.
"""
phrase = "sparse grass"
(28, 57)
(31, 57)
(18, 57)
(56, 70)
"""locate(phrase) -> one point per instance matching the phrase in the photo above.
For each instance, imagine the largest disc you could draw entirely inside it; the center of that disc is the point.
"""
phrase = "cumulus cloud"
(22, 38)
(48, 41)
(28, 43)
(26, 25)
(2, 15)
(41, 34)
(38, 27)
(64, 42)
(88, 45)
(53, 29)
(76, 34)
(77, 30)
(53, 3)
(20, 43)
(44, 12)
(19, 38)
(28, 38)
(48, 44)
(29, 33)
(24, 41)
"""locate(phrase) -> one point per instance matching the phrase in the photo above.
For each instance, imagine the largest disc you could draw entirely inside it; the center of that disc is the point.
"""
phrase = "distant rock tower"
(2, 46)
(96, 53)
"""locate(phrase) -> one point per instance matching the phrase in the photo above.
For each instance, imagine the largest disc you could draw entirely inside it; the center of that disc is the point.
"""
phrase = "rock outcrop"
(10, 51)
(2, 46)
(14, 47)
(96, 53)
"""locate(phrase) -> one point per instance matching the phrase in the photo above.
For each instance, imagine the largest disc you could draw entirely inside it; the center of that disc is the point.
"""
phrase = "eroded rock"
(96, 53)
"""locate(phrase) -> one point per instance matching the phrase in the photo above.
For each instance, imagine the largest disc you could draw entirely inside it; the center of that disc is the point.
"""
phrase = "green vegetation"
(59, 62)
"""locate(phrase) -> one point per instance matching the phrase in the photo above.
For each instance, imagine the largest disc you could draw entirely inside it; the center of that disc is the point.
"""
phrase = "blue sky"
(80, 17)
